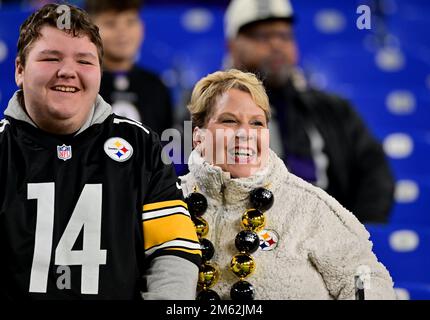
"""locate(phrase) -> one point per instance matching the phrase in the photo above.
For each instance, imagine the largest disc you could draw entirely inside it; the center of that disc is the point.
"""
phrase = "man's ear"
(142, 31)
(197, 137)
(232, 52)
(230, 45)
(19, 73)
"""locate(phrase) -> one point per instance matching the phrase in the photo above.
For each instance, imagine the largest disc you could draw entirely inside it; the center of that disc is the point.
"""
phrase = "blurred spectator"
(319, 135)
(37, 4)
(132, 91)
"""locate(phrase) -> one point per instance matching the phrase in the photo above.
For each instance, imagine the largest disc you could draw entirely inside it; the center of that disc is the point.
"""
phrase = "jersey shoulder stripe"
(137, 124)
(3, 124)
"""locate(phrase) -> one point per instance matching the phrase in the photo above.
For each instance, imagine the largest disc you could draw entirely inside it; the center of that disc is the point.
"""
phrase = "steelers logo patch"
(268, 239)
(118, 149)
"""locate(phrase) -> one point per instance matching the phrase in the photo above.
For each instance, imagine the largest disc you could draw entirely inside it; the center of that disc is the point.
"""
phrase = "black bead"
(208, 295)
(207, 248)
(242, 291)
(247, 241)
(261, 199)
(197, 204)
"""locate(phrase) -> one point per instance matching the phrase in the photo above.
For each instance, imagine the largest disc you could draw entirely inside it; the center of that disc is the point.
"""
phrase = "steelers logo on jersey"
(118, 149)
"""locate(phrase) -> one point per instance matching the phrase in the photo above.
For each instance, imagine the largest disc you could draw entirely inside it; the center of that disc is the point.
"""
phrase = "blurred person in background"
(318, 135)
(132, 91)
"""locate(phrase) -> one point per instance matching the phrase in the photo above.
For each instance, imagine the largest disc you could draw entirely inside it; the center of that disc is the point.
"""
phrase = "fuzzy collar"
(220, 186)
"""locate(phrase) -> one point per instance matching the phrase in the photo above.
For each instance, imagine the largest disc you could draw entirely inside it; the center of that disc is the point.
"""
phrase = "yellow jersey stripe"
(164, 229)
(185, 250)
(164, 204)
(177, 243)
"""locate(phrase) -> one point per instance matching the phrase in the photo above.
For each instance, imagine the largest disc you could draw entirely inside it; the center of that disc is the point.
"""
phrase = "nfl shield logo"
(64, 152)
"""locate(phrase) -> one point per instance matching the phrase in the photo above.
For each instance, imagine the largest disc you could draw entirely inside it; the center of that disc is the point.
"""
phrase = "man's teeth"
(65, 89)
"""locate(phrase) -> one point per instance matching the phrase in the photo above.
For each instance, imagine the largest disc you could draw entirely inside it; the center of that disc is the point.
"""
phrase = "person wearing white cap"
(318, 135)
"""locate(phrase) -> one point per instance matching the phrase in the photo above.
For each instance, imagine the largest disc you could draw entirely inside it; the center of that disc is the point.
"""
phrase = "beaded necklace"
(247, 242)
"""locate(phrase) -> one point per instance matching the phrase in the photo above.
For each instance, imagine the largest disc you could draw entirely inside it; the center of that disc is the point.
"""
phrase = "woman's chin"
(242, 170)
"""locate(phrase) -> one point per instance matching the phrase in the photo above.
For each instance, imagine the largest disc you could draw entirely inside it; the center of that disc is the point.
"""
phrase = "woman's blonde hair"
(210, 88)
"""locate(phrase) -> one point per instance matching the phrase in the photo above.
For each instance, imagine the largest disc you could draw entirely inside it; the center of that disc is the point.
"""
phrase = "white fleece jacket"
(321, 243)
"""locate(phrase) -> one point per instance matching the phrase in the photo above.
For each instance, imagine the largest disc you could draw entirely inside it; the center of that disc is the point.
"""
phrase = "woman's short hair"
(210, 88)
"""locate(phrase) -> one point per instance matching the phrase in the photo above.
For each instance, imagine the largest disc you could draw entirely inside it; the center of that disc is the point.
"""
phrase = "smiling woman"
(230, 122)
(241, 137)
(254, 217)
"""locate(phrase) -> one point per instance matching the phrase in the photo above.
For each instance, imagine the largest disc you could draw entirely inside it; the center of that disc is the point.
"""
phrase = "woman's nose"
(244, 132)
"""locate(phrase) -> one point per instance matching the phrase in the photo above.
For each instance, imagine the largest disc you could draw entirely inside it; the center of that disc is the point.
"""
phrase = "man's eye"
(109, 24)
(258, 123)
(228, 121)
(50, 59)
(84, 62)
(131, 22)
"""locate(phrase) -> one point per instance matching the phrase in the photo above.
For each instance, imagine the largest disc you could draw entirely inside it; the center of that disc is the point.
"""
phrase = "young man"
(133, 92)
(320, 136)
(87, 208)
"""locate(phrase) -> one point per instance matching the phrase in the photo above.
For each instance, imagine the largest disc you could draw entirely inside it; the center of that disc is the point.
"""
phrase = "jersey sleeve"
(167, 225)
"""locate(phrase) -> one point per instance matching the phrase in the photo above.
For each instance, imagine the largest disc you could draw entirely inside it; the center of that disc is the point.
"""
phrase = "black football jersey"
(82, 216)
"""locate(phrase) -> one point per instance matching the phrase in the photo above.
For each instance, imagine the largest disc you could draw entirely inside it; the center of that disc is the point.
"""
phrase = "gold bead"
(208, 275)
(253, 220)
(242, 265)
(202, 226)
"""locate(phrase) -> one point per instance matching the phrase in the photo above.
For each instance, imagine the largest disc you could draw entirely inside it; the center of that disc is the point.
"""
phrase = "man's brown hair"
(80, 25)
(95, 7)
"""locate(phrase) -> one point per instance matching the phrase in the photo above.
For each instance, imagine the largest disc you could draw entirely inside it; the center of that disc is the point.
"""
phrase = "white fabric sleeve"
(171, 278)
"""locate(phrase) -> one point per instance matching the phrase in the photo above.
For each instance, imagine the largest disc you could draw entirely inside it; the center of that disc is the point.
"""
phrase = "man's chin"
(276, 77)
(62, 112)
(119, 56)
(276, 80)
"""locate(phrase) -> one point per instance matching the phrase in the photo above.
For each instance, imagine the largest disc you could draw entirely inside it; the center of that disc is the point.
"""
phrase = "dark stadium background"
(384, 71)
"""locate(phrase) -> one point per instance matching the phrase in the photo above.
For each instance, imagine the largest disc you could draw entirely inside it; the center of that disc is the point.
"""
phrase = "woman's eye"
(228, 121)
(50, 59)
(84, 62)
